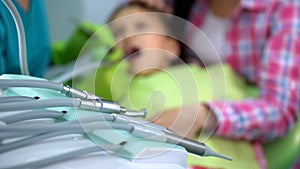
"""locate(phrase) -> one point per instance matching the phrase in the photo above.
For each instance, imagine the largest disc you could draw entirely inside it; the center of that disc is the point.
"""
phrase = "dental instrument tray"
(48, 125)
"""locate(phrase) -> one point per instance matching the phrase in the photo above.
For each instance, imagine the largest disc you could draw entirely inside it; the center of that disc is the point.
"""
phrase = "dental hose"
(42, 132)
(64, 157)
(68, 91)
(31, 114)
(20, 34)
(99, 105)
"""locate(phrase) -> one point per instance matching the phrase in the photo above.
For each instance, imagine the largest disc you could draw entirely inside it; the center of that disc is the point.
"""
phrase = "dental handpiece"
(107, 106)
(83, 99)
(193, 146)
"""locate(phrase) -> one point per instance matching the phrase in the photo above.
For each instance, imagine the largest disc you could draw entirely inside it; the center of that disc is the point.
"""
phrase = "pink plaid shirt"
(264, 37)
(265, 48)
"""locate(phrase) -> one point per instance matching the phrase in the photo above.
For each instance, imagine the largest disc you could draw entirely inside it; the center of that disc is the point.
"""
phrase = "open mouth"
(132, 53)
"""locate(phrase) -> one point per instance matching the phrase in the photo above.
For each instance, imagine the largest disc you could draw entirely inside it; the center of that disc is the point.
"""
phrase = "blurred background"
(62, 15)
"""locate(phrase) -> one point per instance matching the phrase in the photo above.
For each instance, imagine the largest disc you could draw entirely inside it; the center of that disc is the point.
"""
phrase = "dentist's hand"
(187, 121)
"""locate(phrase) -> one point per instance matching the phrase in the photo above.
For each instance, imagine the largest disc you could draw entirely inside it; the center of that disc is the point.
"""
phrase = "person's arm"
(274, 113)
(186, 121)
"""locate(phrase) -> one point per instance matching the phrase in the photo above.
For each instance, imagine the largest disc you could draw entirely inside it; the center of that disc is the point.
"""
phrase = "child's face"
(145, 51)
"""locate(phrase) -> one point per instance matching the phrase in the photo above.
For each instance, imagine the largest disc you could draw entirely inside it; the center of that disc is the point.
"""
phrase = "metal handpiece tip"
(227, 158)
(210, 152)
(133, 113)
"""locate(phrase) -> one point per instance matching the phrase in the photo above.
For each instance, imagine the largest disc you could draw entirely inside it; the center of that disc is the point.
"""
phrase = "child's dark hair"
(129, 4)
(165, 20)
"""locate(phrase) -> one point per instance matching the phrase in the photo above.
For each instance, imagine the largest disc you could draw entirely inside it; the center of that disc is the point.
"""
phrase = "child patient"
(153, 76)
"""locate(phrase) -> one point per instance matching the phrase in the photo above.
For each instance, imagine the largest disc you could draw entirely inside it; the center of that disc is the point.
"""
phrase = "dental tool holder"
(135, 152)
(95, 121)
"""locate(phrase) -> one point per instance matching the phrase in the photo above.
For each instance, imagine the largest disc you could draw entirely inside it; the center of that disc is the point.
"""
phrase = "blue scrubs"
(37, 39)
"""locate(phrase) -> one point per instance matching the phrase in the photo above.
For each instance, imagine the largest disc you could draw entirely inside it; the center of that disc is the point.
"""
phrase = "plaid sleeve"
(274, 113)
